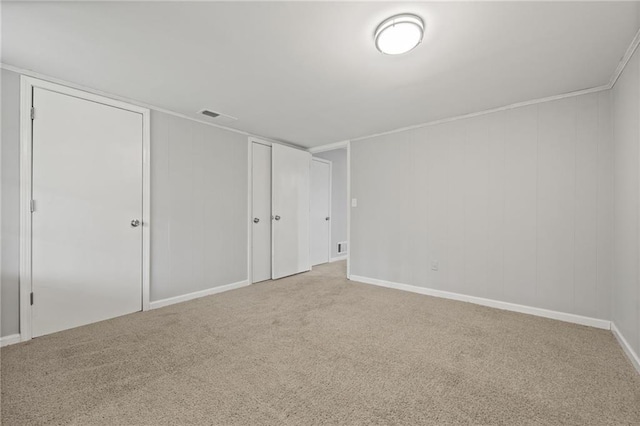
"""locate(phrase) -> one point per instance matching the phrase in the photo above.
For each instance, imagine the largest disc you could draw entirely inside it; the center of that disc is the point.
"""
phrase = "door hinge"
(32, 298)
(33, 113)
(32, 205)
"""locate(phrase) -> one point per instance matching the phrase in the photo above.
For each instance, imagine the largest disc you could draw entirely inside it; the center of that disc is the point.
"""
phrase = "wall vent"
(217, 117)
(342, 247)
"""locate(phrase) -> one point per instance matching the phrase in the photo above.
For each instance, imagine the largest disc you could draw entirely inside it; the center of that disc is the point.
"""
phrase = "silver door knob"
(277, 217)
(256, 220)
(135, 223)
(326, 218)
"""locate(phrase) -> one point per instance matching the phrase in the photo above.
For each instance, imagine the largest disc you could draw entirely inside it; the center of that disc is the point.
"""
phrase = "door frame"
(27, 84)
(330, 147)
(250, 143)
(330, 163)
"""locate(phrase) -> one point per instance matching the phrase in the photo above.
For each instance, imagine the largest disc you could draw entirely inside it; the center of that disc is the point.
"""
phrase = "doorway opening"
(329, 206)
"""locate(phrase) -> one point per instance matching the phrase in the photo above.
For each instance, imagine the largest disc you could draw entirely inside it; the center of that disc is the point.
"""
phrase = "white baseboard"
(12, 339)
(338, 258)
(562, 316)
(628, 350)
(183, 298)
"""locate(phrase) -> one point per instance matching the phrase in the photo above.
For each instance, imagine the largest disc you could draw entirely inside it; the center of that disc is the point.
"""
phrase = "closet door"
(261, 206)
(86, 225)
(290, 209)
(320, 211)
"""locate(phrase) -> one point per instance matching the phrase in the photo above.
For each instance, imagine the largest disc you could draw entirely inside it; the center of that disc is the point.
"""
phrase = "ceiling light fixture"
(399, 34)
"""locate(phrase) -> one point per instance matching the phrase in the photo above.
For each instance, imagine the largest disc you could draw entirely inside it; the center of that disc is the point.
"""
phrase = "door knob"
(277, 217)
(326, 218)
(135, 223)
(256, 220)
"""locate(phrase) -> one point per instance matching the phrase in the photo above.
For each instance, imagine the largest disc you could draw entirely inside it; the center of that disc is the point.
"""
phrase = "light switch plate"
(435, 265)
(354, 202)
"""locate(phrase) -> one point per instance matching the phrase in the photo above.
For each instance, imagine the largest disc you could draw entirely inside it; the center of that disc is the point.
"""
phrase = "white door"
(87, 190)
(261, 205)
(290, 209)
(320, 211)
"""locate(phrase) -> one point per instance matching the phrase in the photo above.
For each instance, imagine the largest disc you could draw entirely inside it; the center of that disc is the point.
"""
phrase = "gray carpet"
(317, 349)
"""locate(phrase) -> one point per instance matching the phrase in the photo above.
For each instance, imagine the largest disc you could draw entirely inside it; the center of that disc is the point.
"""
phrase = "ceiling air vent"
(209, 113)
(217, 117)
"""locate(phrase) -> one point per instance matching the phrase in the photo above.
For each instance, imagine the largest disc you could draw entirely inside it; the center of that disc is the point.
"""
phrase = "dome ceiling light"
(399, 34)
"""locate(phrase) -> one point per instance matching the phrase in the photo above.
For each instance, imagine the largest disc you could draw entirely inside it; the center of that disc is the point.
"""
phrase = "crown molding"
(488, 111)
(635, 42)
(625, 60)
(329, 147)
(51, 79)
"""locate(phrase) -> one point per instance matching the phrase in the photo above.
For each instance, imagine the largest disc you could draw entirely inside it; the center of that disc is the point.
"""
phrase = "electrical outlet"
(435, 265)
(354, 202)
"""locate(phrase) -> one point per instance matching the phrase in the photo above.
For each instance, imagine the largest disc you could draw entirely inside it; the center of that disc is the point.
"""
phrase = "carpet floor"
(318, 349)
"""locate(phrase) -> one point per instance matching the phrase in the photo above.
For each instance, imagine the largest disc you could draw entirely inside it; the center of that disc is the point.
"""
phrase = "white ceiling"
(308, 73)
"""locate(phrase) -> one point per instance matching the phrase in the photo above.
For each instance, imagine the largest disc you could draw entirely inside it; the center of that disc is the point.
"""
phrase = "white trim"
(249, 211)
(29, 73)
(349, 209)
(26, 93)
(260, 141)
(12, 339)
(329, 147)
(25, 213)
(321, 160)
(197, 294)
(635, 42)
(338, 258)
(329, 249)
(337, 145)
(540, 312)
(488, 111)
(330, 163)
(628, 350)
(625, 60)
(146, 209)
